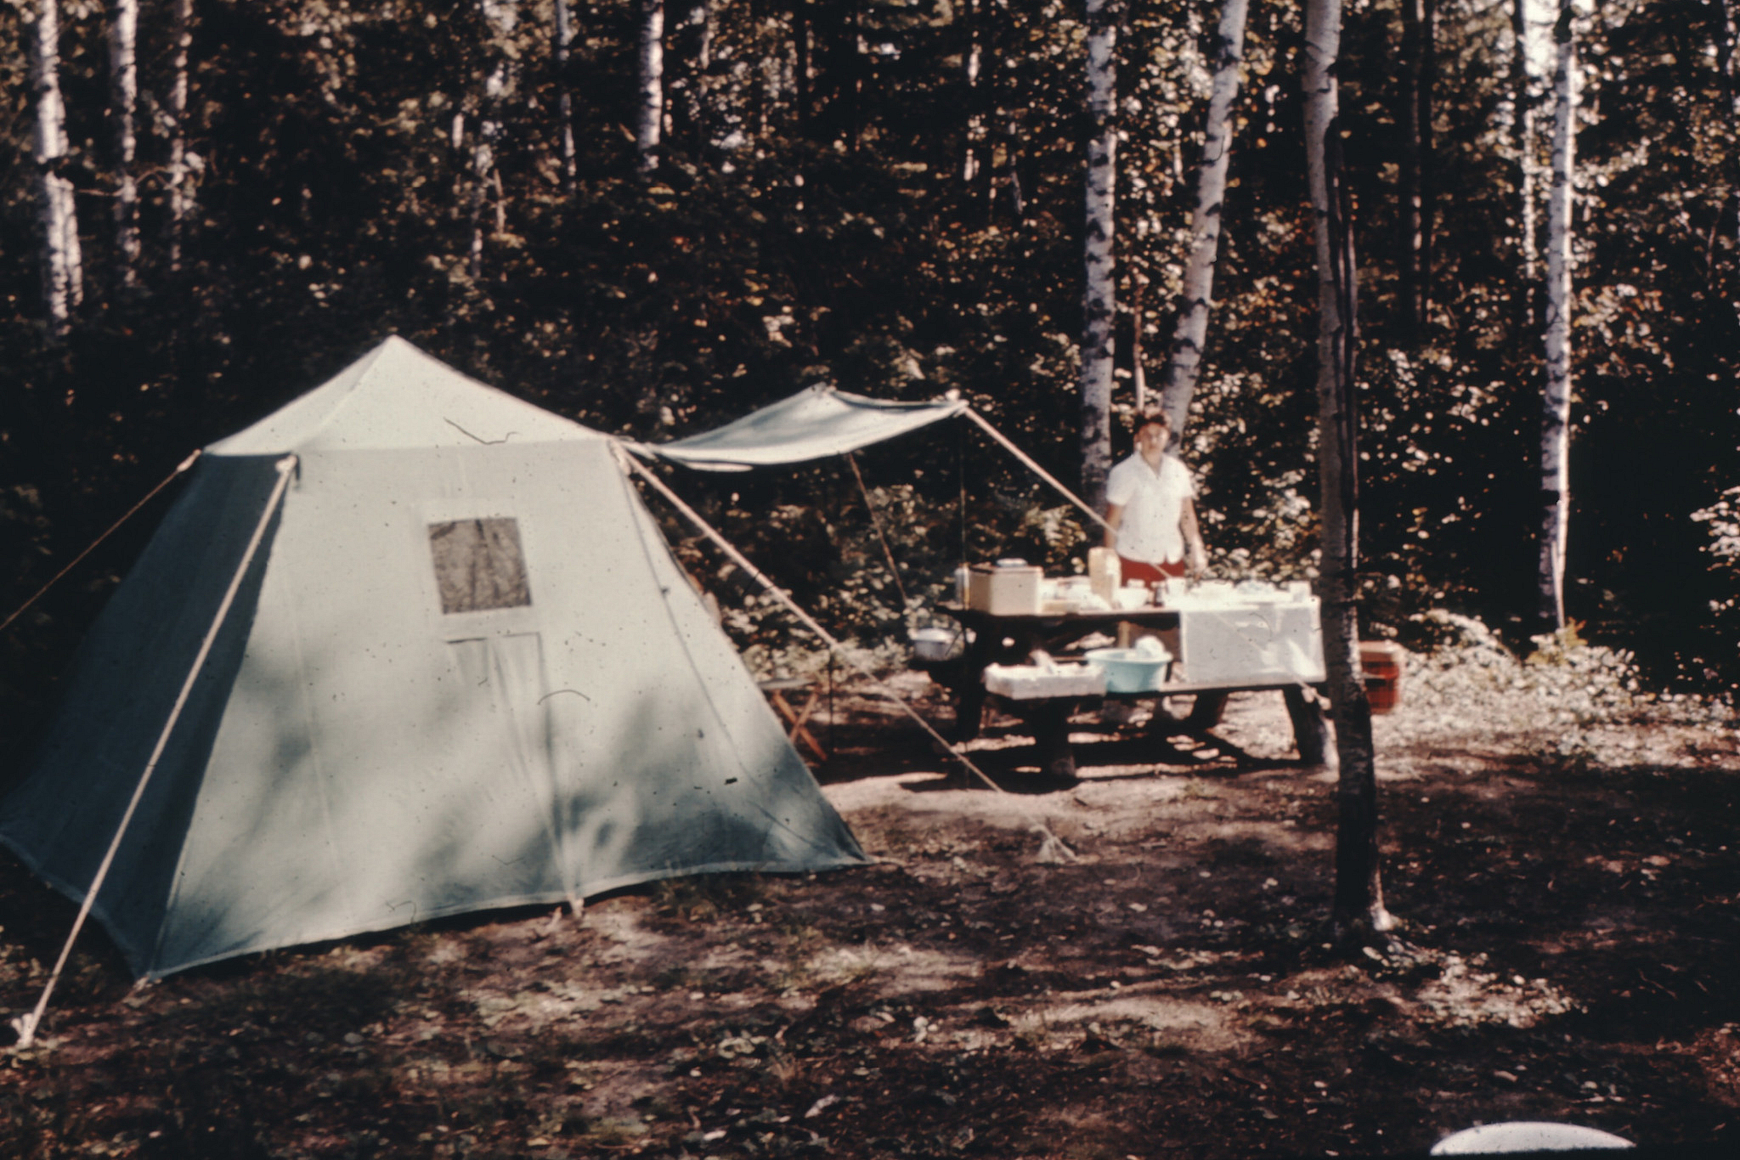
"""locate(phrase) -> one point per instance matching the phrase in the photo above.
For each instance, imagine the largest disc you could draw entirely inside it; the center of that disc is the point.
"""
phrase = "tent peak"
(397, 397)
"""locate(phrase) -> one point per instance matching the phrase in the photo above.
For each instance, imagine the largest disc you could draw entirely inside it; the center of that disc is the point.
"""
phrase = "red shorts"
(1150, 573)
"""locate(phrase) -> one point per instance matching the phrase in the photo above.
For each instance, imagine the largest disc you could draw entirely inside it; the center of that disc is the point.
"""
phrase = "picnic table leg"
(1050, 722)
(1207, 711)
(1310, 725)
(970, 689)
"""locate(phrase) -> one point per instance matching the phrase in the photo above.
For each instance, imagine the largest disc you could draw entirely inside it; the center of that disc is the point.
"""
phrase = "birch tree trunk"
(502, 17)
(1359, 900)
(565, 97)
(1190, 335)
(180, 199)
(1523, 131)
(123, 111)
(57, 217)
(649, 124)
(1099, 301)
(1556, 417)
(1419, 20)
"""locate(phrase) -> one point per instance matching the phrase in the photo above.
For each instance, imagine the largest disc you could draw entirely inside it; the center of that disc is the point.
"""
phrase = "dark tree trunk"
(1359, 903)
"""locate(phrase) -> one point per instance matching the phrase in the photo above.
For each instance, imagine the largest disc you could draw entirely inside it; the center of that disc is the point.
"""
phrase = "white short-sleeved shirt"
(1153, 504)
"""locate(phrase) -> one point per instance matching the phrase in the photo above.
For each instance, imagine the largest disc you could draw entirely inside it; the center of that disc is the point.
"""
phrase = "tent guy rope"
(181, 469)
(26, 1025)
(1051, 848)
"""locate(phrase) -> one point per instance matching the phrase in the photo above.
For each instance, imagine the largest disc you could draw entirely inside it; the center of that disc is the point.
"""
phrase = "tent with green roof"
(459, 669)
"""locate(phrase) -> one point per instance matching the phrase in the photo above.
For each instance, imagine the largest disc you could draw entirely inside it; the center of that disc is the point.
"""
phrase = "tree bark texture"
(1190, 335)
(1556, 413)
(1099, 300)
(1419, 33)
(123, 113)
(565, 97)
(180, 197)
(650, 118)
(1359, 903)
(57, 218)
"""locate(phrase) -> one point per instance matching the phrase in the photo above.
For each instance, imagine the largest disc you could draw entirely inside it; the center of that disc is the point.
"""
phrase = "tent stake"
(26, 1025)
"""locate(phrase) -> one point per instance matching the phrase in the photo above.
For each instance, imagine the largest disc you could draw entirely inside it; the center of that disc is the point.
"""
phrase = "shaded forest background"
(812, 217)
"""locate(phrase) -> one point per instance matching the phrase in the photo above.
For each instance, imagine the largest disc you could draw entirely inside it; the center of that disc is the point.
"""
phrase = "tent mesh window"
(479, 565)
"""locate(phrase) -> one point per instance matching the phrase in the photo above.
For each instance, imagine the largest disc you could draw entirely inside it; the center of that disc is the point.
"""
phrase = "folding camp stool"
(776, 691)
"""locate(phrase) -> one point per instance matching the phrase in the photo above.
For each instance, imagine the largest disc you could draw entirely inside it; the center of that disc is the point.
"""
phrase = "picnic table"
(1010, 639)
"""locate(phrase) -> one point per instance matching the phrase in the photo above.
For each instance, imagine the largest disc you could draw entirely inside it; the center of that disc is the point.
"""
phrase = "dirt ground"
(1570, 952)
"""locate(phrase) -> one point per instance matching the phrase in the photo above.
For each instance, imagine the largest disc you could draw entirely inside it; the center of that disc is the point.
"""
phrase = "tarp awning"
(812, 424)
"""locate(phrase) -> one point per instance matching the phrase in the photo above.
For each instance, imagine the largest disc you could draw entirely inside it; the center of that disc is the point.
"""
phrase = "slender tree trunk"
(1359, 900)
(57, 217)
(1138, 374)
(1419, 19)
(502, 17)
(1099, 301)
(180, 197)
(649, 124)
(565, 97)
(1556, 418)
(975, 126)
(1523, 129)
(1190, 335)
(123, 111)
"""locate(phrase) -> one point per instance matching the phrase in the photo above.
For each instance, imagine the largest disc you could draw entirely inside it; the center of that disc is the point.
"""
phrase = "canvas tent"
(463, 671)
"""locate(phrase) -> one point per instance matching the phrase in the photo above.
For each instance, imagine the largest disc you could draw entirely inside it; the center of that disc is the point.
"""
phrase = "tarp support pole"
(1036, 469)
(27, 1024)
(876, 522)
(1053, 845)
(113, 528)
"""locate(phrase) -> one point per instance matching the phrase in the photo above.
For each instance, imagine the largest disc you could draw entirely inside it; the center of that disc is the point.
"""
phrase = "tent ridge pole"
(26, 1025)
